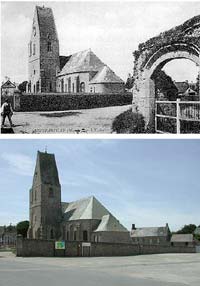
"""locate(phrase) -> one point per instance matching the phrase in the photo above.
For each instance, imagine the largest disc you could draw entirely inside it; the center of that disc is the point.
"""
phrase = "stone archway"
(181, 42)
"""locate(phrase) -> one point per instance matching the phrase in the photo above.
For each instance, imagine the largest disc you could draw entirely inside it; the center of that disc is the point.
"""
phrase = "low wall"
(33, 247)
(64, 101)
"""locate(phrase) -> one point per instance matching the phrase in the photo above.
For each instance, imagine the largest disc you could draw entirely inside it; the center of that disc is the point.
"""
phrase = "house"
(83, 220)
(182, 240)
(81, 72)
(8, 236)
(8, 88)
(150, 235)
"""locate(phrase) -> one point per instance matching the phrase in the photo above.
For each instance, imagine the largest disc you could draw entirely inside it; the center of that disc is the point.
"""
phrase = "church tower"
(43, 52)
(45, 199)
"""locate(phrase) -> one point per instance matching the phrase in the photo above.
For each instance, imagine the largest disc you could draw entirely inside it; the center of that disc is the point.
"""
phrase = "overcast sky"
(146, 182)
(112, 30)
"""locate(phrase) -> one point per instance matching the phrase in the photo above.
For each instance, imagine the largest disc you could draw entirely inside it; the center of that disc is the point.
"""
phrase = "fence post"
(178, 123)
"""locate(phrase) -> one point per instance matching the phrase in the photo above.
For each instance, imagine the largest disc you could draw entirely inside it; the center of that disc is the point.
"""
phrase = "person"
(6, 111)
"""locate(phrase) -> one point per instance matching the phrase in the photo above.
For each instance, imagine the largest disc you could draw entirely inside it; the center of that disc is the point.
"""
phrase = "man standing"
(6, 110)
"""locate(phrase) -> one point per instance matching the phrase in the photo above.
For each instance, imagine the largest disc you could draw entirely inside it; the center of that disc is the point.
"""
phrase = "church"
(81, 72)
(84, 220)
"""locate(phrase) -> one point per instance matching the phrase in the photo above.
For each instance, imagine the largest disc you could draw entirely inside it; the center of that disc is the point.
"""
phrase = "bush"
(129, 122)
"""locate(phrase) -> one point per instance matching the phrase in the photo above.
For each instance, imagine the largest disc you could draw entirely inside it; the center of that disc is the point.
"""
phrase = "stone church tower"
(45, 199)
(43, 49)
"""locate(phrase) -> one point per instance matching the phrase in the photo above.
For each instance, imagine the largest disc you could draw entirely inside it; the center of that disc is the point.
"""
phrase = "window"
(50, 86)
(90, 89)
(50, 192)
(69, 84)
(30, 49)
(68, 235)
(49, 47)
(37, 86)
(75, 235)
(82, 87)
(73, 87)
(34, 88)
(33, 49)
(77, 83)
(62, 85)
(34, 71)
(65, 87)
(85, 235)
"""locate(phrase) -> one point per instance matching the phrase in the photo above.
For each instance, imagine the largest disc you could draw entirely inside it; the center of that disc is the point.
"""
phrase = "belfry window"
(49, 47)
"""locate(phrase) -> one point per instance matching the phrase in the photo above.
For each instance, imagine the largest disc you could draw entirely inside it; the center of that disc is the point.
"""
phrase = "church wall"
(83, 78)
(107, 88)
(111, 237)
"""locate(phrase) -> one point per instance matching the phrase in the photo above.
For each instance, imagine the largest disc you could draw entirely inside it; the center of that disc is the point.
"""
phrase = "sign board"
(88, 244)
(59, 245)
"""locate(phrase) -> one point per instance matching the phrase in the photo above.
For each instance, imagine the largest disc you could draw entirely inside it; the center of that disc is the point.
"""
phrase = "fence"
(177, 116)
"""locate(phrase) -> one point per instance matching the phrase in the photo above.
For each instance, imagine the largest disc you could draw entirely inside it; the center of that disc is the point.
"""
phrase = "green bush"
(129, 122)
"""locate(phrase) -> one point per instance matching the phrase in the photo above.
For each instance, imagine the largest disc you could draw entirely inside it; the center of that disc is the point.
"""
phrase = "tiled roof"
(182, 237)
(106, 75)
(110, 223)
(46, 22)
(149, 231)
(84, 61)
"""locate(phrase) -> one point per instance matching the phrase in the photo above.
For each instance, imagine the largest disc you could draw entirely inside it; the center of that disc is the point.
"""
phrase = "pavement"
(143, 270)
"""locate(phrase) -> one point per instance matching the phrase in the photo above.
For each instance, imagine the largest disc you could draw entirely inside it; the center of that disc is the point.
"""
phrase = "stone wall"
(33, 247)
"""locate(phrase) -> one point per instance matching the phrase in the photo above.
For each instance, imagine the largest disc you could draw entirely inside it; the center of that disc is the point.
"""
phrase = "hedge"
(61, 101)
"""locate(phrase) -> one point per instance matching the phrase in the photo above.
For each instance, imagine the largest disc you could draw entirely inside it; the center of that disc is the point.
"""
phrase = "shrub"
(129, 122)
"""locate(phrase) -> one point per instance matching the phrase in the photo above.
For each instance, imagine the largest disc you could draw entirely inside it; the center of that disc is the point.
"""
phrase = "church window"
(33, 49)
(75, 235)
(37, 86)
(62, 85)
(68, 235)
(34, 88)
(50, 86)
(49, 47)
(52, 234)
(65, 87)
(82, 87)
(77, 84)
(85, 235)
(73, 87)
(50, 192)
(69, 84)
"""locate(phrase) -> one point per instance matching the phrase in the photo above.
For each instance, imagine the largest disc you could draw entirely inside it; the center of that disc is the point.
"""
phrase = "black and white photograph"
(100, 67)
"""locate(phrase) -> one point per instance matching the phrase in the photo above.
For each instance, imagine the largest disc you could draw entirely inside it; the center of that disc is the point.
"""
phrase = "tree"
(188, 228)
(22, 228)
(129, 82)
(22, 86)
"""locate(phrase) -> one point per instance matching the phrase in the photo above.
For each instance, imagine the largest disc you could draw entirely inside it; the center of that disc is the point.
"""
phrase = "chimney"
(133, 226)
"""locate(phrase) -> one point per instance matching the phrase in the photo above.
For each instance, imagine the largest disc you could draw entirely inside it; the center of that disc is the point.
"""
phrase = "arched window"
(62, 85)
(34, 88)
(82, 87)
(52, 234)
(75, 235)
(85, 235)
(77, 83)
(69, 84)
(37, 86)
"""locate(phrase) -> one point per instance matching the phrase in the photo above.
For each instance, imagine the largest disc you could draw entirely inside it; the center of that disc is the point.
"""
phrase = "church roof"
(46, 22)
(182, 237)
(87, 208)
(110, 223)
(84, 61)
(91, 208)
(106, 75)
(46, 168)
(150, 231)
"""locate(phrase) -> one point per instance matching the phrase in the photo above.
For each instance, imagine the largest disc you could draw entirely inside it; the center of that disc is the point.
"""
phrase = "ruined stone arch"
(182, 42)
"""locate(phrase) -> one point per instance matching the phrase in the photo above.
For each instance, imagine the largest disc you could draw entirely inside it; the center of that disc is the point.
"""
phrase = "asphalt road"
(151, 270)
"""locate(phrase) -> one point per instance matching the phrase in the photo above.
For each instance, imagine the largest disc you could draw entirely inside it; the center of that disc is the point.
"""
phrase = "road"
(151, 270)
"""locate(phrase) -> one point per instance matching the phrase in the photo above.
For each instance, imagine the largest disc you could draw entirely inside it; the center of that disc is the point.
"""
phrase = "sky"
(112, 30)
(143, 181)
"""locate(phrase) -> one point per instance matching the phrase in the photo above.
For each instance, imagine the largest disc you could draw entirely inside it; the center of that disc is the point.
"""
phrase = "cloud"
(19, 163)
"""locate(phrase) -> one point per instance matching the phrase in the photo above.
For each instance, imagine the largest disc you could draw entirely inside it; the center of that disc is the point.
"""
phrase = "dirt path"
(97, 120)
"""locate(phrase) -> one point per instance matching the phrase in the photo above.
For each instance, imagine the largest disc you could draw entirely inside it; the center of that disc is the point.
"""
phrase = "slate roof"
(182, 238)
(91, 208)
(46, 22)
(47, 169)
(84, 61)
(150, 231)
(110, 223)
(8, 84)
(87, 208)
(106, 75)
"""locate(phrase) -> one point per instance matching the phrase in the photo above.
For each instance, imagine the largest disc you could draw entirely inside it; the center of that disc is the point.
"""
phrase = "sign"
(59, 245)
